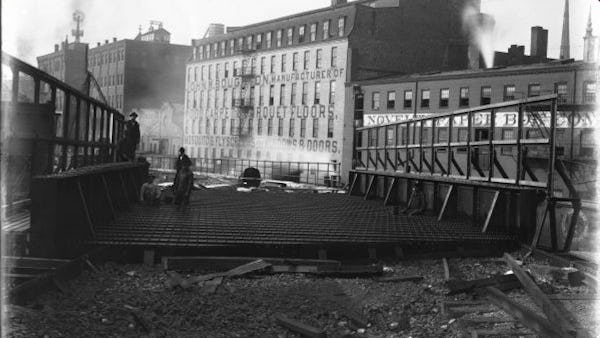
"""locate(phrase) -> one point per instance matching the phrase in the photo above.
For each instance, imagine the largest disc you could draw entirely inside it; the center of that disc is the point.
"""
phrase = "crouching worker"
(150, 192)
(183, 186)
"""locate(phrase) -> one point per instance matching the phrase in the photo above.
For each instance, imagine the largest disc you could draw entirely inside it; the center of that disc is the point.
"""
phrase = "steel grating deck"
(224, 217)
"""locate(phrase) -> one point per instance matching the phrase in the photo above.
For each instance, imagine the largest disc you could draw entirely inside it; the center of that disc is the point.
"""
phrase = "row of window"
(196, 152)
(485, 97)
(249, 66)
(106, 57)
(247, 128)
(279, 38)
(242, 97)
(110, 80)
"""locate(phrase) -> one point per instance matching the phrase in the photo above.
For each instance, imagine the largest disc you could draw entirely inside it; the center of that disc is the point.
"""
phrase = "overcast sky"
(32, 27)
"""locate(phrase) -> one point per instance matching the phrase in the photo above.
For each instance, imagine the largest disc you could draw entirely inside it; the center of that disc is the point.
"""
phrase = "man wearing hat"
(132, 135)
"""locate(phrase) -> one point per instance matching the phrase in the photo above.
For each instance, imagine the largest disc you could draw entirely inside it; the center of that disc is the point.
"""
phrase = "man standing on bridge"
(132, 136)
(184, 182)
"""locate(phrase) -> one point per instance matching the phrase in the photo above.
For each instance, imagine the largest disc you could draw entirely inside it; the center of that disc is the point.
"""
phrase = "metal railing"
(317, 173)
(463, 144)
(83, 131)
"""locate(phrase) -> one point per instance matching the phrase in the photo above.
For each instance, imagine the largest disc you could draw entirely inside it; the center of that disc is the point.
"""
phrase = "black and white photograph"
(316, 168)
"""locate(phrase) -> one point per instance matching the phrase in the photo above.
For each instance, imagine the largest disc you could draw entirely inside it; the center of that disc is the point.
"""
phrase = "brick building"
(277, 90)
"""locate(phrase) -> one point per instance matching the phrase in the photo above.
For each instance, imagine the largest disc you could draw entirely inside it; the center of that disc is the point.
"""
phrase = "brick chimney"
(56, 47)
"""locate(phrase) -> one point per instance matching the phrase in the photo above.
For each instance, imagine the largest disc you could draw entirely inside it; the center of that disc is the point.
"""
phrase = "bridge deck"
(225, 217)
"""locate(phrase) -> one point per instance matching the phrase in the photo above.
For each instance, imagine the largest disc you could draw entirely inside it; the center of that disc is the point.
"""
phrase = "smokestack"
(114, 39)
(565, 45)
(106, 42)
(539, 42)
(56, 47)
(98, 44)
(335, 3)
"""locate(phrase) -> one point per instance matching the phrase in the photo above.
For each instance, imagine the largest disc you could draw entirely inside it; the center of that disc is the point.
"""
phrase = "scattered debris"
(501, 282)
(299, 327)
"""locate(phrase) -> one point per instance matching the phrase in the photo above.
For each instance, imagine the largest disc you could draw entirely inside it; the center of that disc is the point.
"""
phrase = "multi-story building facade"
(145, 74)
(401, 98)
(277, 90)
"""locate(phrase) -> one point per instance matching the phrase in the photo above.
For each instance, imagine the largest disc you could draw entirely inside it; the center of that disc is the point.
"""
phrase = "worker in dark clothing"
(183, 186)
(132, 136)
(181, 160)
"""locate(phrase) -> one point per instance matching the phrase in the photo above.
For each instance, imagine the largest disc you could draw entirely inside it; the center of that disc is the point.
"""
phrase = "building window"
(280, 127)
(425, 98)
(587, 143)
(306, 59)
(486, 95)
(290, 36)
(391, 100)
(464, 97)
(249, 42)
(292, 127)
(330, 128)
(281, 95)
(259, 126)
(341, 25)
(283, 62)
(294, 61)
(263, 62)
(279, 37)
(272, 64)
(232, 127)
(507, 134)
(326, 30)
(561, 90)
(408, 96)
(313, 32)
(223, 126)
(217, 70)
(315, 128)
(231, 47)
(260, 96)
(224, 97)
(375, 101)
(207, 126)
(271, 95)
(332, 92)
(534, 89)
(209, 72)
(589, 92)
(333, 57)
(226, 70)
(250, 126)
(252, 95)
(319, 58)
(270, 126)
(304, 93)
(444, 97)
(258, 41)
(301, 33)
(268, 39)
(509, 92)
(223, 48)
(317, 92)
(302, 128)
(195, 74)
(293, 94)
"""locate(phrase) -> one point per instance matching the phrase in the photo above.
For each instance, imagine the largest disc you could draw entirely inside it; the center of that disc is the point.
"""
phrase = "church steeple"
(589, 41)
(564, 41)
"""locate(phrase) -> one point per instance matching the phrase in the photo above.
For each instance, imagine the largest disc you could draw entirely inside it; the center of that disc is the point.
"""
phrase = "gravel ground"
(115, 301)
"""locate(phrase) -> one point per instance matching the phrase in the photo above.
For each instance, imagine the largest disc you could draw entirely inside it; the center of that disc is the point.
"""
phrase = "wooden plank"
(226, 263)
(395, 279)
(86, 211)
(299, 327)
(446, 269)
(503, 282)
(370, 187)
(490, 212)
(446, 200)
(539, 298)
(527, 317)
(391, 190)
(501, 333)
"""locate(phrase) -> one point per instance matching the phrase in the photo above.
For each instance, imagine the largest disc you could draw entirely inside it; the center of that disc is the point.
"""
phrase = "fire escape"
(243, 99)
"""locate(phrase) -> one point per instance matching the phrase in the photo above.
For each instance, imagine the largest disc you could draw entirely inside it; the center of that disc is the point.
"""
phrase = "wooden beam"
(353, 184)
(86, 210)
(391, 190)
(538, 230)
(446, 269)
(490, 212)
(540, 299)
(446, 200)
(108, 198)
(527, 317)
(370, 187)
(572, 225)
